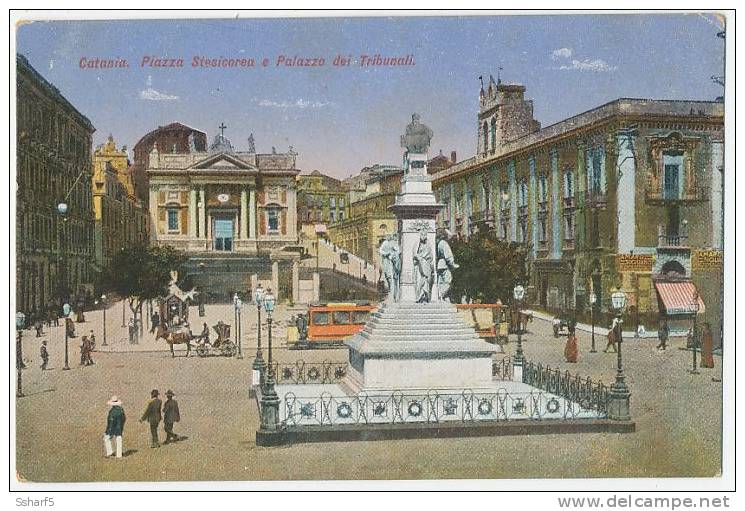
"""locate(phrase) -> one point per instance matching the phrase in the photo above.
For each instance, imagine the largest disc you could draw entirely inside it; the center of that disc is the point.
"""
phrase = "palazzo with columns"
(232, 212)
(627, 194)
(223, 201)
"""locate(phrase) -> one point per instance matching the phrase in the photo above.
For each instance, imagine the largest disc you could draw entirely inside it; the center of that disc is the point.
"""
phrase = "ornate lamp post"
(66, 313)
(694, 332)
(518, 360)
(62, 209)
(269, 398)
(103, 303)
(618, 406)
(593, 301)
(239, 329)
(201, 293)
(259, 365)
(20, 323)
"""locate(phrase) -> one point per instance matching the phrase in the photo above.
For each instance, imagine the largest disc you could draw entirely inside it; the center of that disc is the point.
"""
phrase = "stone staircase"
(418, 327)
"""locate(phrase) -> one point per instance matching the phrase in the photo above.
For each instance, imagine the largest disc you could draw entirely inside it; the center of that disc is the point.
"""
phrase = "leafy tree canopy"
(489, 268)
(141, 272)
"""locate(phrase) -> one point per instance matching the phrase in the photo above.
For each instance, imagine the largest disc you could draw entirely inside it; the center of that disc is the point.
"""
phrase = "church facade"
(232, 212)
(222, 200)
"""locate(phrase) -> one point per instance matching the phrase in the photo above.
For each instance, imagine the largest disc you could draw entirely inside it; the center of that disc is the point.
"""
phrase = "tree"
(489, 268)
(140, 273)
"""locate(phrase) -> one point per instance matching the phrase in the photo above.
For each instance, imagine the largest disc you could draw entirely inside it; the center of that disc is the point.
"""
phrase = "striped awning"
(677, 297)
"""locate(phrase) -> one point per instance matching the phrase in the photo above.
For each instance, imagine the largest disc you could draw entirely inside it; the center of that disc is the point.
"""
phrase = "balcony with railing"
(596, 199)
(670, 240)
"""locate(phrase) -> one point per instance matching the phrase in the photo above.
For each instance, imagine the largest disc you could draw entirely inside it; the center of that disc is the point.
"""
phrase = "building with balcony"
(628, 193)
(369, 220)
(54, 253)
(121, 219)
(321, 200)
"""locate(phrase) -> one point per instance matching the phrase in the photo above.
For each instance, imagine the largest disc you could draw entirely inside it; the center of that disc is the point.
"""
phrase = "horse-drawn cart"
(222, 345)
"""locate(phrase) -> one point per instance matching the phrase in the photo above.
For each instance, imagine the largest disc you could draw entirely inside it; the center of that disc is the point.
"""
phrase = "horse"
(183, 337)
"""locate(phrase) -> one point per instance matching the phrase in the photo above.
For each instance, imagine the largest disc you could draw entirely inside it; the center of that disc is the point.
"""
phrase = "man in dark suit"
(153, 417)
(170, 415)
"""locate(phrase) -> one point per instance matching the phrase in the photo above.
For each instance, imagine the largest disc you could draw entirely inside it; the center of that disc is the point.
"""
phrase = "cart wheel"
(203, 350)
(228, 349)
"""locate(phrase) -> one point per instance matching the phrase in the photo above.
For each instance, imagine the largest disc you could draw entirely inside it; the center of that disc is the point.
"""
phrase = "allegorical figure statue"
(417, 136)
(424, 269)
(445, 266)
(390, 256)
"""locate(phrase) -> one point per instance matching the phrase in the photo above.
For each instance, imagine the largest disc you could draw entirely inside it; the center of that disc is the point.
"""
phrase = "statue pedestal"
(418, 347)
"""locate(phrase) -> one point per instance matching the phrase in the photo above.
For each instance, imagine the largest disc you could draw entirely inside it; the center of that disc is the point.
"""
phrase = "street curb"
(366, 433)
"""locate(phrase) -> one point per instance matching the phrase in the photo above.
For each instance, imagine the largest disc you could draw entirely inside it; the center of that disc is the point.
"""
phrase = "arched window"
(485, 132)
(272, 219)
(673, 267)
(493, 133)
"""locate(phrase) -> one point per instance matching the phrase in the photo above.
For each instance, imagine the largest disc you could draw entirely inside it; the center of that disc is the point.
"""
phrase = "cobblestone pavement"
(61, 419)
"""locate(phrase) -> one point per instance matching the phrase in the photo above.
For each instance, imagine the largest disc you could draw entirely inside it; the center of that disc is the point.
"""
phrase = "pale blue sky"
(342, 119)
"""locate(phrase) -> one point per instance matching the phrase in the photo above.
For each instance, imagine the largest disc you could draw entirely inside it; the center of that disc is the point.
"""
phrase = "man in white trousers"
(114, 428)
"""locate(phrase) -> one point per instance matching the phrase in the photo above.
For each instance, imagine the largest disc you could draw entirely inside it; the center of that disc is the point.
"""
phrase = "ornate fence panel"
(430, 407)
(582, 393)
(310, 373)
(502, 369)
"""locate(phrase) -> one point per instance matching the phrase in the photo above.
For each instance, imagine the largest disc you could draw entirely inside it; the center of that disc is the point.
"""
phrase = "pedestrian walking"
(70, 328)
(44, 355)
(92, 340)
(707, 347)
(153, 416)
(54, 314)
(154, 322)
(170, 416)
(663, 332)
(570, 350)
(114, 428)
(612, 335)
(132, 332)
(205, 335)
(39, 327)
(84, 351)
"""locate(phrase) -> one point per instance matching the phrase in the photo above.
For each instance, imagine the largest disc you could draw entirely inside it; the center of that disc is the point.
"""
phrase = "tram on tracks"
(330, 324)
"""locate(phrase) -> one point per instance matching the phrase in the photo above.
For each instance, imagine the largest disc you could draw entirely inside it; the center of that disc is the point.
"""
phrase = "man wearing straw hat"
(114, 428)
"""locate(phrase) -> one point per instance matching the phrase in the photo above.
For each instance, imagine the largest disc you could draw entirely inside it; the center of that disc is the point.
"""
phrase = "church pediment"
(222, 162)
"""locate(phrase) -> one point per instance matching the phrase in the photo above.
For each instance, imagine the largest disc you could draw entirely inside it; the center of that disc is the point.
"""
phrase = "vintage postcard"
(255, 247)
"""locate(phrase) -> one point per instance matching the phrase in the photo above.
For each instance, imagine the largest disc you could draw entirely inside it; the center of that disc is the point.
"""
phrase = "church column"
(252, 212)
(244, 214)
(202, 213)
(192, 213)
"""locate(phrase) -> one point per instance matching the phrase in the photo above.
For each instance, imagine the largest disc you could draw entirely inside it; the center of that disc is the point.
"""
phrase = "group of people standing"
(155, 412)
(706, 345)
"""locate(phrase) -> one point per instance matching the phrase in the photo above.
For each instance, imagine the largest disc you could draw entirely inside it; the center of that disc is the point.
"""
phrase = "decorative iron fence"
(588, 394)
(430, 407)
(302, 372)
(502, 369)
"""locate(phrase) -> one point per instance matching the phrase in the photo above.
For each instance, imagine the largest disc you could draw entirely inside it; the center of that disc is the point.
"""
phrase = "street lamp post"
(66, 312)
(618, 405)
(239, 329)
(269, 398)
(20, 323)
(103, 302)
(259, 365)
(694, 332)
(519, 359)
(593, 300)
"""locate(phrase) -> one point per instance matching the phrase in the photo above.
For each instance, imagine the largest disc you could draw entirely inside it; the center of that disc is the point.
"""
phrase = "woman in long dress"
(570, 350)
(707, 347)
(424, 269)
